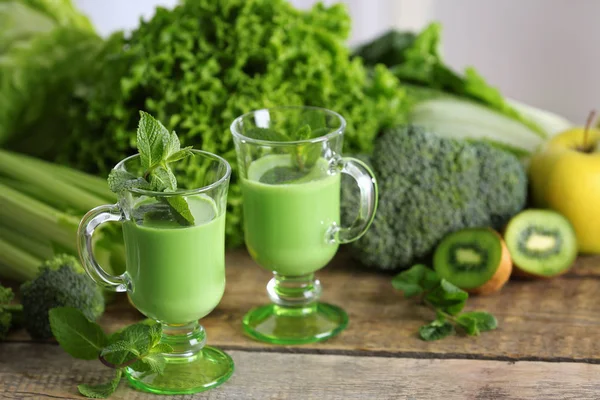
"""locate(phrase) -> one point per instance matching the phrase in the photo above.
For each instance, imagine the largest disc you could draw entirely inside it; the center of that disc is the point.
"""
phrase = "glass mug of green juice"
(175, 272)
(290, 167)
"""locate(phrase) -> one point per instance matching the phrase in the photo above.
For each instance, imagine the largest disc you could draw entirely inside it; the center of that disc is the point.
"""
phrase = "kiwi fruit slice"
(474, 259)
(542, 243)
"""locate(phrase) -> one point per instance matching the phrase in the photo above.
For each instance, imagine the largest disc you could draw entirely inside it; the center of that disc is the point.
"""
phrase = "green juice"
(286, 224)
(177, 273)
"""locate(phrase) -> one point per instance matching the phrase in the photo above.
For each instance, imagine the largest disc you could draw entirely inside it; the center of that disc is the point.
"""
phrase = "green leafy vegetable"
(202, 64)
(47, 48)
(446, 300)
(458, 105)
(137, 346)
(157, 148)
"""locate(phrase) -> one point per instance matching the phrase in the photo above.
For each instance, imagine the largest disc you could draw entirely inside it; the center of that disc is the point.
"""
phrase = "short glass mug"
(175, 274)
(290, 167)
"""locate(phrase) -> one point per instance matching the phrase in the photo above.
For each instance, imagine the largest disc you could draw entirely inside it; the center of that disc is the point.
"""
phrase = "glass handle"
(365, 179)
(87, 226)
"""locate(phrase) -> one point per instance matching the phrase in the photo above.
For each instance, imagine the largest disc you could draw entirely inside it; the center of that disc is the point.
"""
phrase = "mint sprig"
(446, 300)
(136, 346)
(158, 149)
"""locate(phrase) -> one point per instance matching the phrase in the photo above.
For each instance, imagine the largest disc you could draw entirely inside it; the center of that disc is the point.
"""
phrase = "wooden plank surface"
(556, 319)
(44, 371)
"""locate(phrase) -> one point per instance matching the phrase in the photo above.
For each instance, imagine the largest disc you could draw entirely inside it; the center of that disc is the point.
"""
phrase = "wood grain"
(44, 371)
(546, 320)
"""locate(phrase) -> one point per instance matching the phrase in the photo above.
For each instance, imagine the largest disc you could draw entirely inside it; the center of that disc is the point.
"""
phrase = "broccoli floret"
(61, 282)
(430, 186)
(10, 314)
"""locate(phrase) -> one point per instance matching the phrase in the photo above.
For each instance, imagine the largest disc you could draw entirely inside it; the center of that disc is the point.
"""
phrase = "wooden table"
(547, 345)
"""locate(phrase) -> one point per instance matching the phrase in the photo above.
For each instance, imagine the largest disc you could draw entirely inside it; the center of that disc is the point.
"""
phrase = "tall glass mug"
(175, 273)
(290, 168)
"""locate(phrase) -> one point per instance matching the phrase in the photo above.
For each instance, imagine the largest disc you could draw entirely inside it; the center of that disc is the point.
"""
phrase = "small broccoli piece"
(61, 282)
(9, 313)
(430, 186)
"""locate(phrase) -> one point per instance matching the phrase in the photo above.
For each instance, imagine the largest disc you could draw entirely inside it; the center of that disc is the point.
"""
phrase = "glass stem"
(294, 291)
(186, 340)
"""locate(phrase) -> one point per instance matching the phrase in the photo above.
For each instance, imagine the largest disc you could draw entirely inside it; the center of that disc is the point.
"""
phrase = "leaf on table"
(77, 335)
(416, 280)
(103, 390)
(436, 330)
(447, 297)
(475, 322)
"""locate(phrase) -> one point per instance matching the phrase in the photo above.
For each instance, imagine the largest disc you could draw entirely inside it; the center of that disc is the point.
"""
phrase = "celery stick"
(35, 192)
(79, 199)
(37, 248)
(91, 183)
(40, 220)
(16, 263)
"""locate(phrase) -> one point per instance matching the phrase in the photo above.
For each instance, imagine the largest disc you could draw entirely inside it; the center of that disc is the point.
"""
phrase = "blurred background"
(542, 52)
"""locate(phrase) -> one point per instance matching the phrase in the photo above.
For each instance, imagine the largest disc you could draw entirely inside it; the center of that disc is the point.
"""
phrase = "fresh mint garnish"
(446, 300)
(76, 334)
(136, 346)
(158, 149)
(308, 124)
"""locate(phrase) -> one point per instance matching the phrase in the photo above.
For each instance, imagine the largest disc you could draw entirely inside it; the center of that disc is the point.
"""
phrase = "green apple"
(565, 176)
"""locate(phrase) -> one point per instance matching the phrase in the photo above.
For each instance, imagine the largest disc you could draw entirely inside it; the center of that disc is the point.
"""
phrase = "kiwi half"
(474, 259)
(542, 243)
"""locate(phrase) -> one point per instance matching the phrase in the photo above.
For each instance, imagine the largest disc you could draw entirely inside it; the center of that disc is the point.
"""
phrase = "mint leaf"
(477, 321)
(161, 348)
(151, 363)
(447, 297)
(180, 210)
(172, 144)
(139, 337)
(416, 280)
(303, 133)
(180, 154)
(436, 330)
(267, 134)
(103, 390)
(119, 180)
(155, 335)
(120, 346)
(151, 140)
(77, 335)
(163, 180)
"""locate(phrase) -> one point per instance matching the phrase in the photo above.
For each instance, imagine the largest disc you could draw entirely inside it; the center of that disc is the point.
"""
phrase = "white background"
(543, 52)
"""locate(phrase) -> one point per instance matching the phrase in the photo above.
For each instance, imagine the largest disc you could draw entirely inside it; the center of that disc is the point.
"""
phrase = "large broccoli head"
(61, 282)
(431, 186)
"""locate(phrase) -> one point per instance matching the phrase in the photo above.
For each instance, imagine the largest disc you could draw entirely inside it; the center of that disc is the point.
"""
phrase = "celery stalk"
(15, 168)
(37, 248)
(36, 218)
(16, 263)
(91, 183)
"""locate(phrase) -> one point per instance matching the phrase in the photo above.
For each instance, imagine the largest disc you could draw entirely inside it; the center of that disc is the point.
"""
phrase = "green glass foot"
(295, 325)
(192, 367)
(208, 369)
